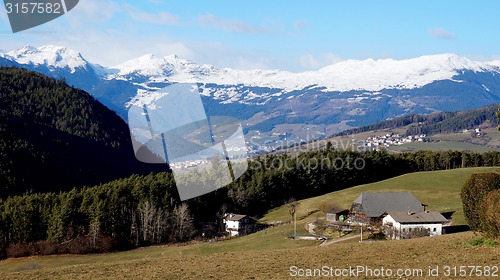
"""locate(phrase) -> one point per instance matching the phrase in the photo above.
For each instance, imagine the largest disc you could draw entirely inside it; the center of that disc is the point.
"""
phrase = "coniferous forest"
(54, 137)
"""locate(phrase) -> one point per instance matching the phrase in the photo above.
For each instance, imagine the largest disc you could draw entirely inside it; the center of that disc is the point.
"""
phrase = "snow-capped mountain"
(51, 56)
(283, 104)
(171, 67)
(55, 61)
(370, 75)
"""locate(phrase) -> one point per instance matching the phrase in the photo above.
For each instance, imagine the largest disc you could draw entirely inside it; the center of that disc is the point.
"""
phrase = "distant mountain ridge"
(348, 75)
(273, 104)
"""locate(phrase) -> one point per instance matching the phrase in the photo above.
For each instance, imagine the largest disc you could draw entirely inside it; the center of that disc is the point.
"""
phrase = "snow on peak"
(347, 75)
(389, 73)
(52, 56)
(146, 65)
(174, 58)
(369, 74)
(172, 67)
(495, 63)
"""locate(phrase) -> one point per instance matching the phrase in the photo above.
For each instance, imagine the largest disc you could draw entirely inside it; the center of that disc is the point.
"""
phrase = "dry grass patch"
(272, 264)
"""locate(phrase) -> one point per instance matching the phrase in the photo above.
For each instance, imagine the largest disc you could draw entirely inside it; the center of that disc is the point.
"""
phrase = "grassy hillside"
(192, 262)
(439, 189)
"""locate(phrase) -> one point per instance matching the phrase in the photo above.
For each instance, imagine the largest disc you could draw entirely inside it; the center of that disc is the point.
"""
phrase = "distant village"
(391, 139)
(394, 139)
(371, 143)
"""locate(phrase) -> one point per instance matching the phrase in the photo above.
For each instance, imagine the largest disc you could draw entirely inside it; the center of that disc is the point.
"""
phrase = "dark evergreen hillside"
(442, 122)
(54, 137)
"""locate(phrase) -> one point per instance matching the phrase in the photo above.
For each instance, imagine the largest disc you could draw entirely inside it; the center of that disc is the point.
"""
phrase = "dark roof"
(409, 217)
(234, 217)
(375, 204)
(336, 211)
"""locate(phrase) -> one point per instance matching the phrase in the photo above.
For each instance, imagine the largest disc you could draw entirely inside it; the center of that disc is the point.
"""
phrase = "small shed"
(337, 214)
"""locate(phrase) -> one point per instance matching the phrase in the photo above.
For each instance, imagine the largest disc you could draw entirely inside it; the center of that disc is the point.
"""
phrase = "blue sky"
(288, 35)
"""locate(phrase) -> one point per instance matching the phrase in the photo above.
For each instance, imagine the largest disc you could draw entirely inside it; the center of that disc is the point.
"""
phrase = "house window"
(434, 229)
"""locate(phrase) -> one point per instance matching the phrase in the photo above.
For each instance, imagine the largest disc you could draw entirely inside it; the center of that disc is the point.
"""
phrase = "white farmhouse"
(408, 224)
(237, 224)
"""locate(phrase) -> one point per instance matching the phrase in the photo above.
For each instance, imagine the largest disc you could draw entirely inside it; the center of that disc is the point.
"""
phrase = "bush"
(475, 189)
(85, 245)
(39, 248)
(377, 236)
(483, 242)
(490, 214)
(80, 245)
(46, 248)
(20, 250)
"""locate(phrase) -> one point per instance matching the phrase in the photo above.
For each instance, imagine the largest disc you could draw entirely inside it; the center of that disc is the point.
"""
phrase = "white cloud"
(97, 10)
(108, 34)
(301, 24)
(441, 33)
(157, 18)
(233, 25)
(110, 48)
(311, 62)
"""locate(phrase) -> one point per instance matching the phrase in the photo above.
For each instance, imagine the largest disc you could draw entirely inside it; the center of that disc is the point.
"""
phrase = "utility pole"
(361, 233)
(294, 224)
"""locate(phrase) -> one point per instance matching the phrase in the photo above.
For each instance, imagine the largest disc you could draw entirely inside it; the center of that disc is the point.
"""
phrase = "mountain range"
(275, 105)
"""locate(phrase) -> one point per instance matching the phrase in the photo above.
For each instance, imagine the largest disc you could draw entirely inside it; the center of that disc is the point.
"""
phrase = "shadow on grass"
(448, 215)
(455, 229)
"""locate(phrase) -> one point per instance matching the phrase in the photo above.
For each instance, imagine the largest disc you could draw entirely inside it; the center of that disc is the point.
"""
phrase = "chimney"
(409, 213)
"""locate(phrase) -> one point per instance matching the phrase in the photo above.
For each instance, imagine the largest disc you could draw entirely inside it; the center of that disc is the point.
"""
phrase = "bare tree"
(292, 205)
(220, 217)
(147, 212)
(153, 222)
(160, 226)
(94, 230)
(183, 221)
(292, 209)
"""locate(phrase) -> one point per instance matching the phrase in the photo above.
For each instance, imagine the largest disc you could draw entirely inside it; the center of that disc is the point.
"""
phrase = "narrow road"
(326, 243)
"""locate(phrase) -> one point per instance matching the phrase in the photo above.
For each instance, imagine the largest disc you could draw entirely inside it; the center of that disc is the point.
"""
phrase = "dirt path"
(326, 243)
